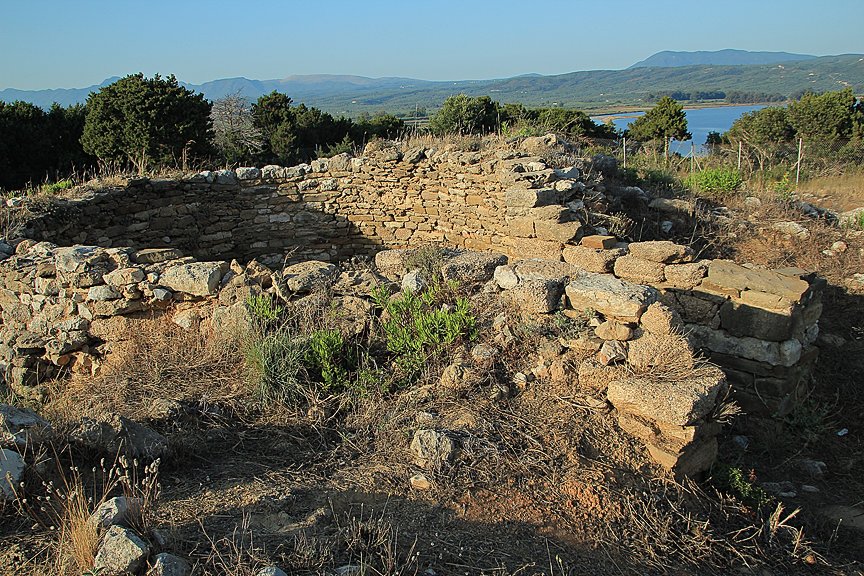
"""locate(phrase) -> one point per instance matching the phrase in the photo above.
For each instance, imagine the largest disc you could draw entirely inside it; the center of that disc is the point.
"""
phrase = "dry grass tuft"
(152, 359)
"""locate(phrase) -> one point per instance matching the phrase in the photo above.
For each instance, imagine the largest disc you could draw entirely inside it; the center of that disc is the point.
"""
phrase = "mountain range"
(776, 73)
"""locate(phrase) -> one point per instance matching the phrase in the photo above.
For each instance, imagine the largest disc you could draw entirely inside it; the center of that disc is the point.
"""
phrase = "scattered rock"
(305, 276)
(21, 427)
(432, 448)
(11, 470)
(536, 296)
(612, 330)
(662, 251)
(612, 352)
(271, 571)
(791, 230)
(166, 564)
(118, 511)
(506, 278)
(660, 319)
(457, 379)
(117, 434)
(413, 281)
(195, 278)
(472, 267)
(122, 552)
(420, 482)
(813, 468)
(610, 296)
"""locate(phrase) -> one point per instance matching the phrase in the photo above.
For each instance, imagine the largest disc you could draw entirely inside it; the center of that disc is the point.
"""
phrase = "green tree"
(380, 125)
(142, 121)
(826, 117)
(664, 121)
(462, 114)
(766, 134)
(36, 145)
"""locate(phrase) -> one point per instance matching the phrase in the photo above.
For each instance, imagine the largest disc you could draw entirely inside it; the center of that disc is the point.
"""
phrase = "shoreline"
(629, 111)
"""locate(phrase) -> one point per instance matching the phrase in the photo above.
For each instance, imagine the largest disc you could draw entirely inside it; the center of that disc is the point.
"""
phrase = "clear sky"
(77, 43)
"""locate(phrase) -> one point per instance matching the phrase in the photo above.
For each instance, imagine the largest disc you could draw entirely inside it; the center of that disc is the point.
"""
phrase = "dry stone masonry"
(517, 223)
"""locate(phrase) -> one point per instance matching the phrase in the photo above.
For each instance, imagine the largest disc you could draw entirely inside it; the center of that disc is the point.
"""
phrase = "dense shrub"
(714, 181)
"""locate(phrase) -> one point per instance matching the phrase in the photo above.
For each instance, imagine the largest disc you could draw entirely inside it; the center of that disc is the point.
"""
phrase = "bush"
(262, 309)
(275, 362)
(418, 328)
(714, 182)
(56, 187)
(733, 481)
(326, 356)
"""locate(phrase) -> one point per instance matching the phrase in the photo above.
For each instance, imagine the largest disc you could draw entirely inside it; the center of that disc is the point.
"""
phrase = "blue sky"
(77, 43)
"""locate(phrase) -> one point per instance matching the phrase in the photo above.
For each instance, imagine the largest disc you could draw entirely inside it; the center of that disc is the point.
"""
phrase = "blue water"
(700, 121)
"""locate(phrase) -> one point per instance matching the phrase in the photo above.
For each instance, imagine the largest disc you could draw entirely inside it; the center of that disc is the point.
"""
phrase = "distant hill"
(351, 95)
(729, 57)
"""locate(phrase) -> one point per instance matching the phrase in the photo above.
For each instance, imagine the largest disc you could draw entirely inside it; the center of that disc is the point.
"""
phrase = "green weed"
(275, 363)
(734, 481)
(262, 308)
(418, 329)
(714, 182)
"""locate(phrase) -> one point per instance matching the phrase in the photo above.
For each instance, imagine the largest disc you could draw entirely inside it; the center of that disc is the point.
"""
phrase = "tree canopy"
(141, 121)
(664, 121)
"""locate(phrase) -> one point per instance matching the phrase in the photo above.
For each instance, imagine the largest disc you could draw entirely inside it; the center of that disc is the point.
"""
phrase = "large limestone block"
(599, 261)
(533, 248)
(392, 263)
(786, 353)
(537, 296)
(687, 275)
(117, 434)
(610, 296)
(305, 276)
(676, 402)
(742, 320)
(195, 278)
(730, 276)
(472, 267)
(540, 269)
(523, 197)
(81, 266)
(662, 251)
(639, 270)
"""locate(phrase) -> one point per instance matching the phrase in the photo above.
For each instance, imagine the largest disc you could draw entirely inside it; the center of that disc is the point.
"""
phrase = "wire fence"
(795, 161)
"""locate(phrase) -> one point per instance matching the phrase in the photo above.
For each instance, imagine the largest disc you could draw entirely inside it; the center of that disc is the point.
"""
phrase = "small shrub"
(417, 328)
(734, 481)
(56, 187)
(714, 182)
(326, 355)
(275, 362)
(262, 308)
(428, 259)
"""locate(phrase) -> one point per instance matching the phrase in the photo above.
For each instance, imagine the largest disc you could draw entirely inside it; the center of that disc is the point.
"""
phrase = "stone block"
(609, 296)
(637, 270)
(662, 251)
(741, 319)
(786, 353)
(728, 275)
(679, 403)
(600, 261)
(599, 242)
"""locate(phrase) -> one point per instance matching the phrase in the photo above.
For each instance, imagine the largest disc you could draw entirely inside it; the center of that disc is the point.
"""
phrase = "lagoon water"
(700, 121)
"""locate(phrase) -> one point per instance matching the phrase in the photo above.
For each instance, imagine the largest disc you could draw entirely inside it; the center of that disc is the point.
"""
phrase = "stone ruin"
(197, 247)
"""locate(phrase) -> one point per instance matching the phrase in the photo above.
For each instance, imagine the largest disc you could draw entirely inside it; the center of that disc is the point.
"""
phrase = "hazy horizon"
(58, 44)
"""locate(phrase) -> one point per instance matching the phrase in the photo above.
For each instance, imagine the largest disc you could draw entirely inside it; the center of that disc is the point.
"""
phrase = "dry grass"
(64, 501)
(154, 359)
(838, 192)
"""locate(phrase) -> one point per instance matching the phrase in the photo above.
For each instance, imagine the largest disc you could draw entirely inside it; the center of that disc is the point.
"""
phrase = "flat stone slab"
(21, 426)
(733, 277)
(786, 353)
(662, 251)
(609, 296)
(680, 403)
(472, 267)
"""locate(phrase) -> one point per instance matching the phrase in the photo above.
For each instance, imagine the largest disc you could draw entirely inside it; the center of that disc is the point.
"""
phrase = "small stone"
(813, 468)
(271, 571)
(839, 247)
(21, 427)
(484, 353)
(162, 295)
(792, 230)
(11, 469)
(742, 442)
(599, 242)
(506, 278)
(611, 330)
(612, 352)
(121, 552)
(118, 511)
(432, 448)
(413, 281)
(810, 489)
(420, 482)
(102, 293)
(188, 319)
